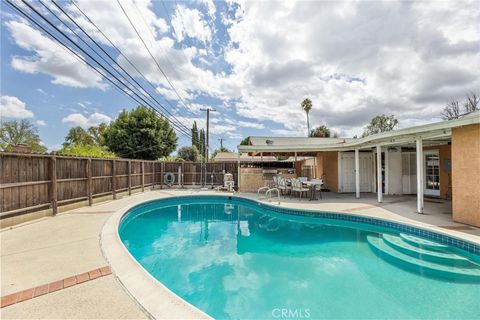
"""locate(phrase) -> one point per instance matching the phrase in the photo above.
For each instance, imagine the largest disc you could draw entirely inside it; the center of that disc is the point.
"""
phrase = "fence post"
(53, 178)
(153, 175)
(129, 177)
(179, 174)
(114, 180)
(143, 175)
(161, 174)
(89, 181)
(183, 174)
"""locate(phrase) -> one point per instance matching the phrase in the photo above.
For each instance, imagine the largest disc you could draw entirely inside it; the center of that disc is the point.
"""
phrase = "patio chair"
(319, 186)
(282, 185)
(288, 186)
(297, 186)
(303, 179)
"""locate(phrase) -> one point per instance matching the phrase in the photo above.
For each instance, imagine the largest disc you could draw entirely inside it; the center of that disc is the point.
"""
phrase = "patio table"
(312, 185)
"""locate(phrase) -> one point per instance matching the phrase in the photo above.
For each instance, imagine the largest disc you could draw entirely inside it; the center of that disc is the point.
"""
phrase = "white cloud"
(248, 124)
(41, 123)
(210, 8)
(12, 107)
(77, 119)
(41, 91)
(189, 22)
(353, 59)
(50, 58)
(170, 94)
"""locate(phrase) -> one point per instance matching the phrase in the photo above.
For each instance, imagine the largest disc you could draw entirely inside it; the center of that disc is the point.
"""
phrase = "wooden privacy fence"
(30, 182)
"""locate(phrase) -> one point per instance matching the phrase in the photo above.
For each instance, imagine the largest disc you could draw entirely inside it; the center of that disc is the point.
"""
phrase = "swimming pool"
(236, 258)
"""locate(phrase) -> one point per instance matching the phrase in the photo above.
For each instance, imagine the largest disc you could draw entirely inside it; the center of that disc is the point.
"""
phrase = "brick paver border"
(54, 286)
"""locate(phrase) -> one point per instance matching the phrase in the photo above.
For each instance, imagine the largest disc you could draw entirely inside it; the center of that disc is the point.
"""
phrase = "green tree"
(97, 134)
(195, 138)
(216, 151)
(188, 153)
(321, 132)
(20, 132)
(380, 124)
(83, 150)
(172, 159)
(140, 134)
(80, 136)
(77, 136)
(307, 106)
(245, 142)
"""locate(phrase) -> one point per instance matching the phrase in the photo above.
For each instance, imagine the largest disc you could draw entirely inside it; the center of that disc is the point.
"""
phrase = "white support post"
(357, 173)
(419, 149)
(379, 173)
(238, 172)
(386, 171)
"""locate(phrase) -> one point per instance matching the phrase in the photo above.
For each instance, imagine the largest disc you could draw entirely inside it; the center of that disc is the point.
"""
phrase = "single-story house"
(440, 159)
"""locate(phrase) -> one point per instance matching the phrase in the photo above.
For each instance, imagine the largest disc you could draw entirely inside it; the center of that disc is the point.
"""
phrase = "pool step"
(422, 243)
(445, 256)
(424, 267)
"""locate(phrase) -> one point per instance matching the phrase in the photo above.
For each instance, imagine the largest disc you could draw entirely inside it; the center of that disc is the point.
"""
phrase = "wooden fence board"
(27, 181)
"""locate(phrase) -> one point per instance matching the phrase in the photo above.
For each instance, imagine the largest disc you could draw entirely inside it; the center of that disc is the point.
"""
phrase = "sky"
(254, 62)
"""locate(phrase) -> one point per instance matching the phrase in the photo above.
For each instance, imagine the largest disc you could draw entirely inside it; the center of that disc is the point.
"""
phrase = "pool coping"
(153, 297)
(159, 302)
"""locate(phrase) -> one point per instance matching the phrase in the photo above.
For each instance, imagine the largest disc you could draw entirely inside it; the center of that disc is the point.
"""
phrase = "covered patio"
(434, 160)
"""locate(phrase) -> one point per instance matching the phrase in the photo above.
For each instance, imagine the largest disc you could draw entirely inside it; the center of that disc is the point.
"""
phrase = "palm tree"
(307, 106)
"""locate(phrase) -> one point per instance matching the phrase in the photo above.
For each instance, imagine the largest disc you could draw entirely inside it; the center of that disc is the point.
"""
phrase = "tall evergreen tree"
(195, 141)
(202, 143)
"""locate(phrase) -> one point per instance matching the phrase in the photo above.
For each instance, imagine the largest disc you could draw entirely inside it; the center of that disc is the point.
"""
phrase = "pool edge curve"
(157, 300)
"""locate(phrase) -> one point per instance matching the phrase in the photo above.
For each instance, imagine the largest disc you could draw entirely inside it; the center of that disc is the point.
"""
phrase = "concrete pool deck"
(57, 248)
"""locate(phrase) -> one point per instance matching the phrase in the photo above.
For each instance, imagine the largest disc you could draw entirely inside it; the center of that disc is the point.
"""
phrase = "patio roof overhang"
(432, 134)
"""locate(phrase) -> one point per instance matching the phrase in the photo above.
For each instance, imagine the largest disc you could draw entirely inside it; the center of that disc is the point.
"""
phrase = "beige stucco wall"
(466, 174)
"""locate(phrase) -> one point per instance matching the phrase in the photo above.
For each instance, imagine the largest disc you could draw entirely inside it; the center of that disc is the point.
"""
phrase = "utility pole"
(221, 143)
(208, 124)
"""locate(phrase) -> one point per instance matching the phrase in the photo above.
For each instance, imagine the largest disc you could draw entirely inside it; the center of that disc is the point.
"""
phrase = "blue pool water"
(234, 259)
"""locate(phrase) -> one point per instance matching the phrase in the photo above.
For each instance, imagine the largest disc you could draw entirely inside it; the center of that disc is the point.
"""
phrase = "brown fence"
(30, 182)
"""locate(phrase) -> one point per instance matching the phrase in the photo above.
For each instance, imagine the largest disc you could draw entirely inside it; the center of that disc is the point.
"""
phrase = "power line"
(112, 59)
(154, 59)
(154, 39)
(168, 17)
(73, 52)
(151, 55)
(125, 57)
